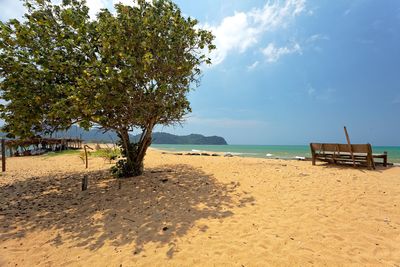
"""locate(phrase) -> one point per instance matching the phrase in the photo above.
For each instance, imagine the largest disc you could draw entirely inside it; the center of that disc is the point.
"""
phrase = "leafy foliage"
(123, 72)
(124, 168)
(120, 169)
(39, 60)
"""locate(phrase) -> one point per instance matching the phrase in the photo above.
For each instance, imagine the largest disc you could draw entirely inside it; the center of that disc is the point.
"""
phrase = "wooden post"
(370, 158)
(351, 149)
(84, 182)
(385, 159)
(86, 158)
(312, 154)
(3, 155)
(86, 161)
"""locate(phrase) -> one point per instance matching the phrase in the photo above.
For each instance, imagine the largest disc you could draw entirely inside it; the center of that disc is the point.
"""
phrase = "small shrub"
(123, 170)
(82, 155)
(109, 154)
(120, 169)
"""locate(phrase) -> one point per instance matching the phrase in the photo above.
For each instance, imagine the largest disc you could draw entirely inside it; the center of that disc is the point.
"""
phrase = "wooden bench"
(356, 154)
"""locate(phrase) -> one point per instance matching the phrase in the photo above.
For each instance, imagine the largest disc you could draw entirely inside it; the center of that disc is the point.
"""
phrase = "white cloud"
(125, 2)
(95, 6)
(317, 37)
(273, 53)
(275, 15)
(238, 32)
(11, 9)
(128, 2)
(244, 29)
(253, 66)
(15, 9)
(234, 33)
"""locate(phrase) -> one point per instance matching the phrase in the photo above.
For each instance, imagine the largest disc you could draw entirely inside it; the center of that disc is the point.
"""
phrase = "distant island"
(192, 139)
(96, 135)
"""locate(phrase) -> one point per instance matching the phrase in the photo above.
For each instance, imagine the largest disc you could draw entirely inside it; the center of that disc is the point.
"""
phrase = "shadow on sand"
(379, 168)
(158, 207)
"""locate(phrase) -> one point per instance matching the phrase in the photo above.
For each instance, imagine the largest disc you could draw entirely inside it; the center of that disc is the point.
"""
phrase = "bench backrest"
(329, 147)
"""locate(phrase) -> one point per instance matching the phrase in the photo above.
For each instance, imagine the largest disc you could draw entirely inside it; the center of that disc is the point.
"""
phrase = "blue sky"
(293, 72)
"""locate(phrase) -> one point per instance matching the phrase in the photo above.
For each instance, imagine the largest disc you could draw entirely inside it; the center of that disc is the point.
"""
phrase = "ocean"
(273, 152)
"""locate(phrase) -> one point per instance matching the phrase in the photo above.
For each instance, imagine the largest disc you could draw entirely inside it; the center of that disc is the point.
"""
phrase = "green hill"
(97, 135)
(192, 139)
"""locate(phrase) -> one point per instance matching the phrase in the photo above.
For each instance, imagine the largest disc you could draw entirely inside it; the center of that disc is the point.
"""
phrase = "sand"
(198, 211)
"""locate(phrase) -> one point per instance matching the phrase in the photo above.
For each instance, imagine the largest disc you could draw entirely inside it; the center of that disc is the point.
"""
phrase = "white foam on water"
(269, 155)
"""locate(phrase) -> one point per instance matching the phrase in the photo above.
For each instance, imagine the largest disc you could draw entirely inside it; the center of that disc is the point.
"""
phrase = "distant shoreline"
(295, 152)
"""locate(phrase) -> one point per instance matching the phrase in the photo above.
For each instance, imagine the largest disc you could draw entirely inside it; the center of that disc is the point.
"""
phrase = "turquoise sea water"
(282, 152)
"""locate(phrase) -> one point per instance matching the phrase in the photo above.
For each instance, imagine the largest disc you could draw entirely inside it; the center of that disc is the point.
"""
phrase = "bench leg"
(371, 163)
(385, 159)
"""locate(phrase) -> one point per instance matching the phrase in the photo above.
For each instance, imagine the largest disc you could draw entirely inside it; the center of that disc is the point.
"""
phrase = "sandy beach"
(198, 211)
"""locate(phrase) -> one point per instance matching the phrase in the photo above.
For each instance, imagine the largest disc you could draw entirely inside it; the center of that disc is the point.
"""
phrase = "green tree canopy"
(124, 71)
(40, 59)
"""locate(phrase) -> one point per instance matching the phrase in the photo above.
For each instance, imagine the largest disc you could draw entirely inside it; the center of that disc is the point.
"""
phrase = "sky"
(292, 72)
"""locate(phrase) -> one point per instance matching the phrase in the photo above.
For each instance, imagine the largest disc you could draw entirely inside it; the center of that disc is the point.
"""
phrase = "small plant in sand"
(108, 153)
(83, 157)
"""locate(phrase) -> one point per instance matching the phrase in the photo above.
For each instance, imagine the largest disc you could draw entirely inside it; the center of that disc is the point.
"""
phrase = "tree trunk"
(142, 147)
(128, 152)
(135, 153)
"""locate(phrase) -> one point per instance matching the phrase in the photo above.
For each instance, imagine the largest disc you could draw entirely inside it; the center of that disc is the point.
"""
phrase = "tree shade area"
(126, 71)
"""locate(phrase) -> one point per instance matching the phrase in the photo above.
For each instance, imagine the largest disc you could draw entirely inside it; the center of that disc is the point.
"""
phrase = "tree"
(123, 72)
(39, 60)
